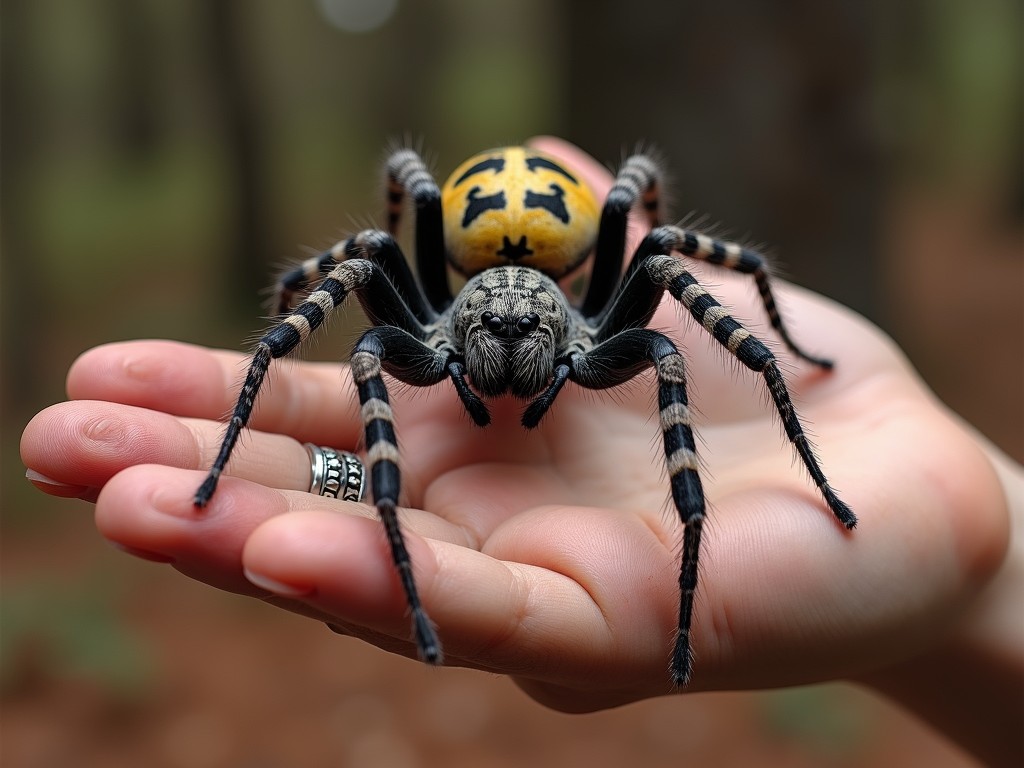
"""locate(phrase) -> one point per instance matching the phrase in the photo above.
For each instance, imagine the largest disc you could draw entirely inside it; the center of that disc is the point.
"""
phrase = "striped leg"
(371, 244)
(306, 274)
(638, 181)
(279, 341)
(687, 493)
(669, 273)
(614, 362)
(736, 257)
(355, 275)
(407, 174)
(376, 346)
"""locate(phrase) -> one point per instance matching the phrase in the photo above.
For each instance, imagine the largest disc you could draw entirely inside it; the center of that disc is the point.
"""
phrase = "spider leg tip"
(432, 656)
(681, 666)
(680, 678)
(843, 513)
(533, 414)
(204, 493)
(428, 646)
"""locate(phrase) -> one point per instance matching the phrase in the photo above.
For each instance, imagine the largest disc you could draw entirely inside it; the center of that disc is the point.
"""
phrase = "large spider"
(512, 221)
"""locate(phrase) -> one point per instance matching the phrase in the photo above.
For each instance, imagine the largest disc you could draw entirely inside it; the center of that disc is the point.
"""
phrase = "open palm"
(552, 555)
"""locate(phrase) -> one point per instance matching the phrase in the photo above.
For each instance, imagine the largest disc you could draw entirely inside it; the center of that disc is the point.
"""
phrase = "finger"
(312, 401)
(536, 611)
(83, 444)
(148, 511)
(74, 448)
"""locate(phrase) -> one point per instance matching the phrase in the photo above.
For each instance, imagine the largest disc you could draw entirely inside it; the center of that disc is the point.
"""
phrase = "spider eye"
(492, 322)
(528, 323)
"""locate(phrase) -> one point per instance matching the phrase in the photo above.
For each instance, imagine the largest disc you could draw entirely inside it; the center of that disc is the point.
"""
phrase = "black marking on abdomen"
(553, 203)
(496, 164)
(533, 163)
(514, 252)
(476, 205)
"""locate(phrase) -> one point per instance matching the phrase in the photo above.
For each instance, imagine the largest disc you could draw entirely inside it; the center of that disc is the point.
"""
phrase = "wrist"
(970, 686)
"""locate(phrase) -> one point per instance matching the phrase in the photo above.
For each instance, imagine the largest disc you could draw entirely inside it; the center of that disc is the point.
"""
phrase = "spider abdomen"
(517, 206)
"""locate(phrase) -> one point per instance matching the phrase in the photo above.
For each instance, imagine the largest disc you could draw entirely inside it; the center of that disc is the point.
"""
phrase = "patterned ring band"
(339, 474)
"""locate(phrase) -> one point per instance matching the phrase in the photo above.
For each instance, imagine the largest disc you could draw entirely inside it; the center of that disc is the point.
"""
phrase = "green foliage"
(824, 718)
(61, 630)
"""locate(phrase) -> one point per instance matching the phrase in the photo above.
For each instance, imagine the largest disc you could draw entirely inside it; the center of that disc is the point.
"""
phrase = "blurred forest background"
(161, 159)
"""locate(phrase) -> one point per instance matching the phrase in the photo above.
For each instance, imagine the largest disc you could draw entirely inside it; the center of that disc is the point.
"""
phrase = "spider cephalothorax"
(512, 220)
(509, 323)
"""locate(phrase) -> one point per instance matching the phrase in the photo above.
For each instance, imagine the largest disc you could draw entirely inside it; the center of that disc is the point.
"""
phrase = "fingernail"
(277, 587)
(55, 487)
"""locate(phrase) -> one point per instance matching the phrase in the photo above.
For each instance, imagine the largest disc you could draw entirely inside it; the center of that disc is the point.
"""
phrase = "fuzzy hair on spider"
(512, 221)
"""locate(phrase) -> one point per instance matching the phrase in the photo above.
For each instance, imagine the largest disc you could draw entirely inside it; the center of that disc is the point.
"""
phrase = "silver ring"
(338, 474)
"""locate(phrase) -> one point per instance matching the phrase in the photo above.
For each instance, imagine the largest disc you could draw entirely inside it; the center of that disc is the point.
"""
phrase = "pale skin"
(552, 556)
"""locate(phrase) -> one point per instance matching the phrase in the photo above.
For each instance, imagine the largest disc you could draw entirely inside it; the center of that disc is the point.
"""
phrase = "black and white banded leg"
(308, 273)
(411, 361)
(408, 175)
(668, 273)
(348, 277)
(638, 182)
(622, 350)
(400, 348)
(278, 342)
(740, 259)
(373, 245)
(611, 363)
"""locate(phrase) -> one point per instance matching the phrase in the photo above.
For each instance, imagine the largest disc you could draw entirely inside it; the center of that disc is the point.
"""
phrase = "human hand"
(552, 555)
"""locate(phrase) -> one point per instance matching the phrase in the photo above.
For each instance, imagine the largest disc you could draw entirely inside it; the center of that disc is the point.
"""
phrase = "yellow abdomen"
(517, 206)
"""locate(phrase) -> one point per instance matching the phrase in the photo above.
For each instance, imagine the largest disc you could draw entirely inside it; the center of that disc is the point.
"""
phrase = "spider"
(512, 221)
